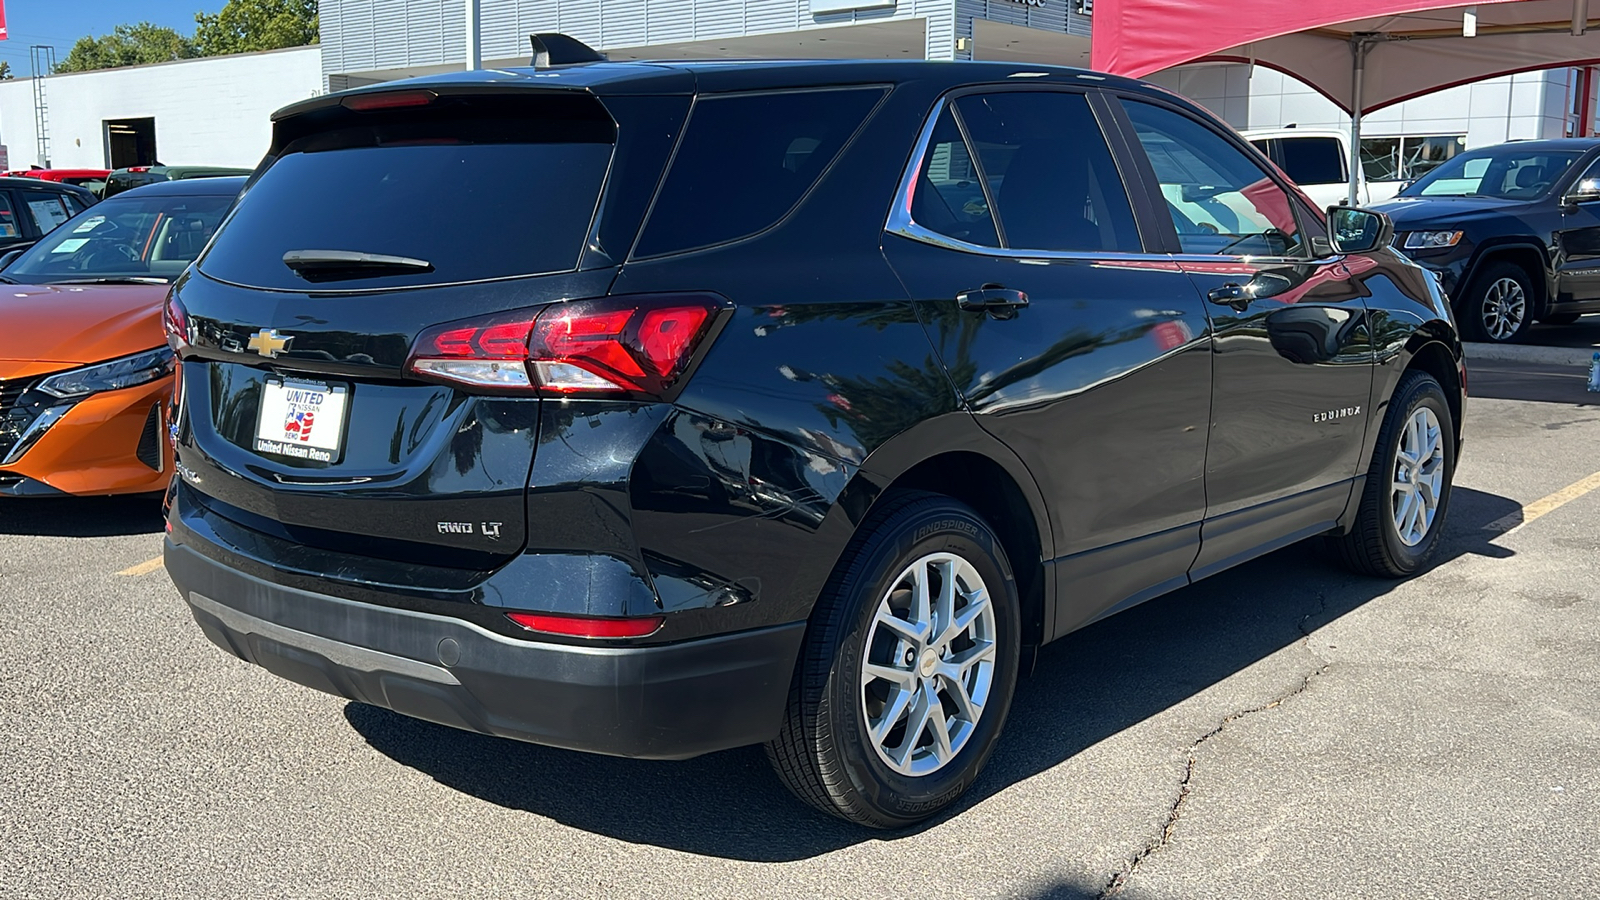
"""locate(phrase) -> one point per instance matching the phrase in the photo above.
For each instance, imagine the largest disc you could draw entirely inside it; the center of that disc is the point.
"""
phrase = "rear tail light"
(176, 322)
(138, 168)
(634, 346)
(588, 626)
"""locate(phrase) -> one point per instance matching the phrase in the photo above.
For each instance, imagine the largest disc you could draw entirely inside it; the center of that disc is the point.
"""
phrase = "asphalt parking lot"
(1282, 730)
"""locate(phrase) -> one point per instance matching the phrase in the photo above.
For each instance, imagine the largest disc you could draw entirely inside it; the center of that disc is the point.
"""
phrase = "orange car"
(85, 371)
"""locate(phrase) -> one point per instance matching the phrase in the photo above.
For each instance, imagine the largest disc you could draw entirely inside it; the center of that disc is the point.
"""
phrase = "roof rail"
(554, 49)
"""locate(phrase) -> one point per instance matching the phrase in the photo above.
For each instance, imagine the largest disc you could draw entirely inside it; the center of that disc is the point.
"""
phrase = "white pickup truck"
(1319, 161)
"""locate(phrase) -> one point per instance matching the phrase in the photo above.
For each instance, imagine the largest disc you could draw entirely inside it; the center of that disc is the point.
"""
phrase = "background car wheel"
(1498, 307)
(1560, 319)
(1408, 484)
(908, 668)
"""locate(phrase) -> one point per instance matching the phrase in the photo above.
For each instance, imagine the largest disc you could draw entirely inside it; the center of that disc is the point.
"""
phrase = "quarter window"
(746, 160)
(1221, 202)
(948, 197)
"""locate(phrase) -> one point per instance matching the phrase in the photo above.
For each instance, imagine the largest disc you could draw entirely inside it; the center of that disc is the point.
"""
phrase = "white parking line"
(1512, 521)
(144, 568)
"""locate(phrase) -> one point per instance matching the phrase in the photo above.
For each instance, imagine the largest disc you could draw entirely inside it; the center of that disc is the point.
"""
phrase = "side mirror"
(1358, 230)
(1584, 191)
(10, 256)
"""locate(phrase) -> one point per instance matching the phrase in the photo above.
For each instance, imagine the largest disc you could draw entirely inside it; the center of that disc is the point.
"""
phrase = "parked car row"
(1512, 231)
(109, 182)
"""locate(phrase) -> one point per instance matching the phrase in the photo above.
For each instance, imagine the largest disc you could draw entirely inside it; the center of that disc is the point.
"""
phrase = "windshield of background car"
(475, 188)
(1508, 172)
(124, 237)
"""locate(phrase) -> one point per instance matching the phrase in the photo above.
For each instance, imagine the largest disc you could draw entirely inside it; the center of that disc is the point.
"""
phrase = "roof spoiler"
(554, 49)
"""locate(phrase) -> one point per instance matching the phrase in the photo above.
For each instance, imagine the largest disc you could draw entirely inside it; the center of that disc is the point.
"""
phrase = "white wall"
(1527, 105)
(211, 111)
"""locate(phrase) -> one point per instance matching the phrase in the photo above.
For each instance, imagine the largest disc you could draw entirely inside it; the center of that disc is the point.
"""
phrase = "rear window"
(746, 160)
(476, 189)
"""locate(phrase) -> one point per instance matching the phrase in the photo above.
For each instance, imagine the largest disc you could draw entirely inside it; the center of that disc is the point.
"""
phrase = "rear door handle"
(1002, 303)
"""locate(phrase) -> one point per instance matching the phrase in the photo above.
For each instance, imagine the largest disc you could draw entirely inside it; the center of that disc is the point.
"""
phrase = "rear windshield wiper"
(331, 265)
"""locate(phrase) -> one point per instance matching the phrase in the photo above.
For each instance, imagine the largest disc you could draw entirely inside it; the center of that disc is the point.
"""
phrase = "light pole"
(474, 37)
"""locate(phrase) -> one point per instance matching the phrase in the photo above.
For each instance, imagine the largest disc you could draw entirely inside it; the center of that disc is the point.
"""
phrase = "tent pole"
(1359, 45)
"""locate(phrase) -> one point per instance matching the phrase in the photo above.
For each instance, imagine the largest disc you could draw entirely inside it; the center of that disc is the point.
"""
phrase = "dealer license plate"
(302, 419)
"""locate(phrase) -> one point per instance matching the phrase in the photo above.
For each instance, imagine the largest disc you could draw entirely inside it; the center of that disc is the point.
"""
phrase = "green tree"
(5, 70)
(127, 45)
(246, 25)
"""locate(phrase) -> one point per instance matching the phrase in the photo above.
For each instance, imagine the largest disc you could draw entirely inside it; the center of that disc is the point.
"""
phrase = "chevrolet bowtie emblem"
(267, 343)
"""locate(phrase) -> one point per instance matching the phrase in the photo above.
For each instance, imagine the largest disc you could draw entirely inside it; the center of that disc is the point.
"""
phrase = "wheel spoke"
(977, 605)
(893, 712)
(921, 611)
(903, 677)
(905, 630)
(916, 725)
(944, 607)
(942, 751)
(966, 659)
(965, 707)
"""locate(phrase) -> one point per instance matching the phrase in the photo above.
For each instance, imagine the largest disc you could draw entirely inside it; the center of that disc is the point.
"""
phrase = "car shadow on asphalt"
(1085, 687)
(81, 516)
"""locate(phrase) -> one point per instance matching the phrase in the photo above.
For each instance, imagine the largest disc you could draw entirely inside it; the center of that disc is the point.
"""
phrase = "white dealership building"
(214, 111)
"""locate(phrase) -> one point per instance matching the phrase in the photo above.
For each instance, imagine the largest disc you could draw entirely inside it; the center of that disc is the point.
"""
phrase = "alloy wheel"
(1418, 476)
(1505, 306)
(929, 664)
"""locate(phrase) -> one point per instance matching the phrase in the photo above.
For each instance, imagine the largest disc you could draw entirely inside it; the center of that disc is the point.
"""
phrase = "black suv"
(1513, 232)
(653, 409)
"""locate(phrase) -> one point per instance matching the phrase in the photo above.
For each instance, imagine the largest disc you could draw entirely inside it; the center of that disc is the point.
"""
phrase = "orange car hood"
(44, 328)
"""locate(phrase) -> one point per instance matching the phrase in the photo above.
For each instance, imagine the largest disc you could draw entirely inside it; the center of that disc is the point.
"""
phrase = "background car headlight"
(140, 368)
(1432, 240)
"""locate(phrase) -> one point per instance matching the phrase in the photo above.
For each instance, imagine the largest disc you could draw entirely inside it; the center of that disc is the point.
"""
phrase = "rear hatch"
(376, 221)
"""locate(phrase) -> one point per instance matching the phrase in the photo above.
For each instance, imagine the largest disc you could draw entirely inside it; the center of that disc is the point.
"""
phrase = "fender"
(1496, 246)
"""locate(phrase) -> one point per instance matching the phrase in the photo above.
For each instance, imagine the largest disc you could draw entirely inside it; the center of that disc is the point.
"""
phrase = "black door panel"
(1101, 385)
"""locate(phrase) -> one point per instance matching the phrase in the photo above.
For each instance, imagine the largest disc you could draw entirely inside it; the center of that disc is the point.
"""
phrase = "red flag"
(2, 20)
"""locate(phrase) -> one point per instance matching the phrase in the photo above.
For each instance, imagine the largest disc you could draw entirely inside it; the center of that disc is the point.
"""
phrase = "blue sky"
(61, 22)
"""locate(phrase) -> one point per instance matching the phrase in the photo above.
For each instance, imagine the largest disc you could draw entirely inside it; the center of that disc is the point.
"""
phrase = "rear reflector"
(633, 345)
(584, 626)
(388, 100)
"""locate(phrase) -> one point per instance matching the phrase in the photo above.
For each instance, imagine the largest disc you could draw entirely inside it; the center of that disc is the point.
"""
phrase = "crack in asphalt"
(1119, 880)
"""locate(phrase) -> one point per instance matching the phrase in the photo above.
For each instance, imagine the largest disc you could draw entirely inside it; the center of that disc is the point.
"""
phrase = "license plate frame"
(294, 418)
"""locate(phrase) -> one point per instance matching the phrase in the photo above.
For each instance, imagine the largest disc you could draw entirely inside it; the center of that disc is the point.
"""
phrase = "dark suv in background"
(1513, 232)
(782, 402)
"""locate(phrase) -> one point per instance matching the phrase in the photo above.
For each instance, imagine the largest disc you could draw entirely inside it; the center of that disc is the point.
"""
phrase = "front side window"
(1507, 171)
(10, 228)
(1221, 202)
(1048, 171)
(1312, 160)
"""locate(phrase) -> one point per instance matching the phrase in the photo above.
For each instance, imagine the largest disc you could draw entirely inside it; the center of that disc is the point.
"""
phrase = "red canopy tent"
(1362, 54)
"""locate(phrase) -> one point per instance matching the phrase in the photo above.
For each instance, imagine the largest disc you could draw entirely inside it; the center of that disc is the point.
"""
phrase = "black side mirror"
(1585, 191)
(10, 256)
(1358, 230)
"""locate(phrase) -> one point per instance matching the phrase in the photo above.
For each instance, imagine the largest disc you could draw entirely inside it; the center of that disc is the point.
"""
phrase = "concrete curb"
(1549, 356)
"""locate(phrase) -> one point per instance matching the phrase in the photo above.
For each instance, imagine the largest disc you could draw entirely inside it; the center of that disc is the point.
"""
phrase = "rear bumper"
(660, 702)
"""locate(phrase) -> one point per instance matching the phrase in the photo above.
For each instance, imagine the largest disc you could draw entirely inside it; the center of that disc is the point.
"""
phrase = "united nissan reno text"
(779, 402)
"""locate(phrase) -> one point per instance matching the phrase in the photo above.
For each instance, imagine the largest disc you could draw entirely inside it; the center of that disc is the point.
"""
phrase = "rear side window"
(1050, 172)
(1312, 160)
(475, 189)
(46, 210)
(746, 160)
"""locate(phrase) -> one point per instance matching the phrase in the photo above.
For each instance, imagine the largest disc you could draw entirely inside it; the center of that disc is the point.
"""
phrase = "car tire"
(1413, 465)
(1560, 318)
(846, 745)
(1498, 306)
